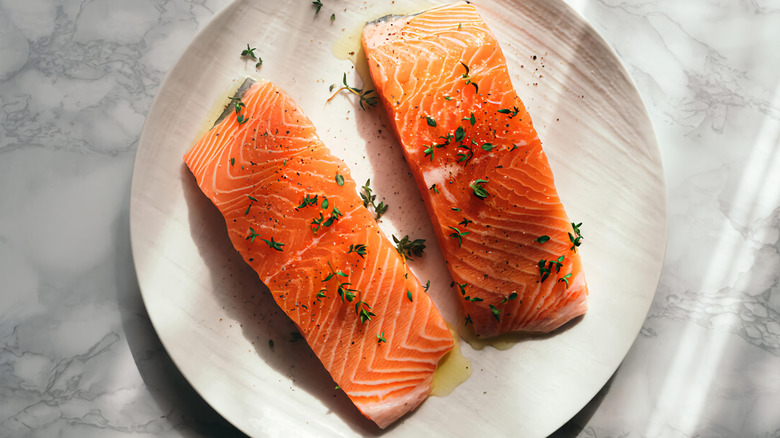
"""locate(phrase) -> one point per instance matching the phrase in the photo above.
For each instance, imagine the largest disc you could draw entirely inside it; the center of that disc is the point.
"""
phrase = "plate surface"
(226, 334)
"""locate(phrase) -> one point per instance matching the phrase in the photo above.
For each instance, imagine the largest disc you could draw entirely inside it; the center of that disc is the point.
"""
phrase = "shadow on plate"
(184, 409)
(248, 302)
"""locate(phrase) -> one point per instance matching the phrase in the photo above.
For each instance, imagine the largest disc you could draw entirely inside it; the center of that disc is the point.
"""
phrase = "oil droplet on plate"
(453, 369)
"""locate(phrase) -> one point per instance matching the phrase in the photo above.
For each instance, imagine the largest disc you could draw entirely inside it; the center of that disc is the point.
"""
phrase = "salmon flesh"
(293, 213)
(478, 162)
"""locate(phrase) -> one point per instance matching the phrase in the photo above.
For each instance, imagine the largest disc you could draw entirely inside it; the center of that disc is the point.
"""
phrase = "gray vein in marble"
(78, 355)
(91, 93)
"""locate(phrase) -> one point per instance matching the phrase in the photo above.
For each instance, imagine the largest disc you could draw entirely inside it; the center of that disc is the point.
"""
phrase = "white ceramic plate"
(215, 318)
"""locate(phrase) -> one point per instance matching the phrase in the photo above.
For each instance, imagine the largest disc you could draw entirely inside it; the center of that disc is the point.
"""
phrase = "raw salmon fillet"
(479, 164)
(293, 214)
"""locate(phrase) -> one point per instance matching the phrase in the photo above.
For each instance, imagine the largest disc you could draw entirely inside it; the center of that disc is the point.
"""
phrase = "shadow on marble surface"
(247, 301)
(185, 410)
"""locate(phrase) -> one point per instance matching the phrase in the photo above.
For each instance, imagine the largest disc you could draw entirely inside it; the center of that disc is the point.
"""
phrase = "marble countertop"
(79, 357)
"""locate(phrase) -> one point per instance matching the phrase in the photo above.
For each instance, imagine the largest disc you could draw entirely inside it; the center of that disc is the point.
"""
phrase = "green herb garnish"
(479, 191)
(316, 223)
(408, 248)
(273, 244)
(239, 106)
(252, 235)
(369, 198)
(513, 112)
(381, 337)
(362, 309)
(468, 78)
(431, 121)
(359, 249)
(335, 214)
(565, 279)
(544, 271)
(458, 235)
(429, 151)
(460, 134)
(496, 312)
(365, 96)
(575, 241)
(333, 273)
(307, 201)
(546, 267)
(339, 179)
(250, 52)
(466, 156)
(344, 292)
(542, 239)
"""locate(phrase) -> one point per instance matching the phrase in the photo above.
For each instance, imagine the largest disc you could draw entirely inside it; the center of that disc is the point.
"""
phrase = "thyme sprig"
(575, 241)
(346, 293)
(239, 106)
(363, 311)
(307, 201)
(252, 235)
(467, 153)
(274, 244)
(496, 312)
(365, 96)
(479, 191)
(320, 221)
(359, 249)
(250, 53)
(513, 112)
(546, 267)
(565, 279)
(369, 198)
(458, 235)
(408, 248)
(466, 76)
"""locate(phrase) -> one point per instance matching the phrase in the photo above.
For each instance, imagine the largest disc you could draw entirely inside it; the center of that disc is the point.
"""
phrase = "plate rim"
(220, 16)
